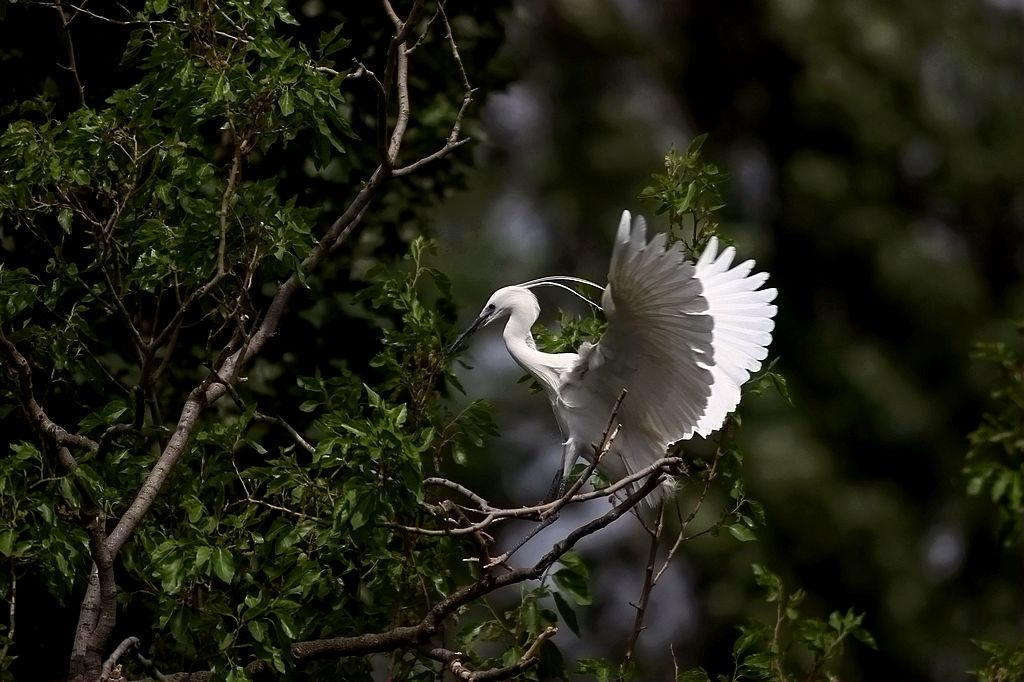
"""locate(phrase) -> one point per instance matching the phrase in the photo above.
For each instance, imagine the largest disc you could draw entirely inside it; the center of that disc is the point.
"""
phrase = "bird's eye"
(489, 308)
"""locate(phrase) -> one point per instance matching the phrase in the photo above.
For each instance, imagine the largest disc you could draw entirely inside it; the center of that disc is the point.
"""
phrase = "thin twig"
(458, 487)
(229, 192)
(286, 510)
(648, 584)
(82, 10)
(541, 511)
(444, 151)
(430, 624)
(453, 142)
(453, 660)
(278, 421)
(682, 536)
(72, 64)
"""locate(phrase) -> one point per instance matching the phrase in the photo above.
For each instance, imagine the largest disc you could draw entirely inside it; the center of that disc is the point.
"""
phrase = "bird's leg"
(561, 482)
(558, 487)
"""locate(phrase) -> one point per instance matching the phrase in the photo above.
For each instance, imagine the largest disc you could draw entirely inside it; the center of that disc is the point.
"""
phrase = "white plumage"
(682, 338)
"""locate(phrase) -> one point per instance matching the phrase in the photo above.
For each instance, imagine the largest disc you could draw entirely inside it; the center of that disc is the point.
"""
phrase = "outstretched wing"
(743, 324)
(681, 338)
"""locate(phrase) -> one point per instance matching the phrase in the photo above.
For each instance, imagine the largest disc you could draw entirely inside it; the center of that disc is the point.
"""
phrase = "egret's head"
(501, 303)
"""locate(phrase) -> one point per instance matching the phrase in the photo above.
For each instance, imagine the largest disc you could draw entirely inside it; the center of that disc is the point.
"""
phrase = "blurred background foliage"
(875, 156)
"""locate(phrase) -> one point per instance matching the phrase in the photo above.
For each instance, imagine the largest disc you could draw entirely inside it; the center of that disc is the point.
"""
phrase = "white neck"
(547, 368)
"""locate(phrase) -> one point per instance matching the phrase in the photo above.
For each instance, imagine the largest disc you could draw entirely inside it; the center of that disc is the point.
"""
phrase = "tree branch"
(453, 661)
(129, 521)
(541, 511)
(35, 414)
(106, 617)
(453, 142)
(72, 64)
(109, 664)
(235, 356)
(684, 524)
(241, 149)
(648, 585)
(407, 636)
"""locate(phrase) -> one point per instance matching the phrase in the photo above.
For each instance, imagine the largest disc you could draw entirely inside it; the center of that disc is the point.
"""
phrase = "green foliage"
(1006, 663)
(415, 362)
(510, 632)
(572, 331)
(689, 193)
(791, 648)
(143, 237)
(995, 458)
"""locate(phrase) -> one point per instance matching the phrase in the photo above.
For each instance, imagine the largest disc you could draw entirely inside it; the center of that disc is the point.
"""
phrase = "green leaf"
(285, 103)
(742, 532)
(258, 630)
(7, 537)
(574, 585)
(64, 218)
(171, 574)
(567, 613)
(597, 669)
(693, 675)
(223, 564)
(203, 555)
(329, 42)
(194, 508)
(284, 15)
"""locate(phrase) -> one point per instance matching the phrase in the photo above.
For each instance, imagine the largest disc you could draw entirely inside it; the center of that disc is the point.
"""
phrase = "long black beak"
(477, 323)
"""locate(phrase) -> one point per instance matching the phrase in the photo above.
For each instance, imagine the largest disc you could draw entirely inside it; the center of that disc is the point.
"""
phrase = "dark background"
(876, 161)
(876, 156)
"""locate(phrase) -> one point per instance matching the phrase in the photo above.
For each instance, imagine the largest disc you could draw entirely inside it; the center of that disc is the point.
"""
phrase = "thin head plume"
(555, 281)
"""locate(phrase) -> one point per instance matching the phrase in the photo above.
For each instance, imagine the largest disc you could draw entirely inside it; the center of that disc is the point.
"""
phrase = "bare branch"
(109, 664)
(402, 122)
(648, 584)
(453, 661)
(88, 614)
(684, 524)
(454, 48)
(72, 64)
(392, 15)
(35, 414)
(444, 151)
(410, 635)
(453, 142)
(229, 192)
(458, 487)
(100, 17)
(144, 499)
(275, 507)
(277, 421)
(542, 511)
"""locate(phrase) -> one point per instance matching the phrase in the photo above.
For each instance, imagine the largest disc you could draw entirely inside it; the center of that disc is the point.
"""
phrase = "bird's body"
(681, 339)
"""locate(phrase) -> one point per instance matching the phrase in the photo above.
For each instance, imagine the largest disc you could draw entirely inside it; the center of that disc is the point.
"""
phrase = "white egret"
(682, 338)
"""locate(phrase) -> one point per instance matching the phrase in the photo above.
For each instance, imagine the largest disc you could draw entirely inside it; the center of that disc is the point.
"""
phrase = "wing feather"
(681, 338)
